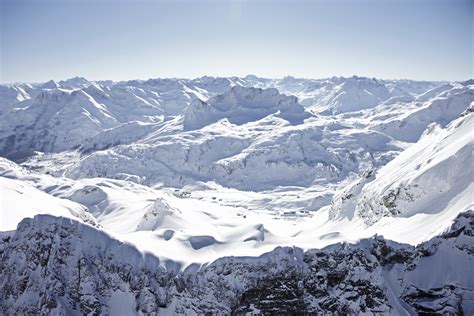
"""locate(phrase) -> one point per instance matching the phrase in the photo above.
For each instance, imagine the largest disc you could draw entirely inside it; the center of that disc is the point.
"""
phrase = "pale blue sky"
(105, 39)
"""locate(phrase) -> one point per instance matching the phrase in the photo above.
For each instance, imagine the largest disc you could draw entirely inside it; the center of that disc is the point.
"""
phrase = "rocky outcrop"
(53, 265)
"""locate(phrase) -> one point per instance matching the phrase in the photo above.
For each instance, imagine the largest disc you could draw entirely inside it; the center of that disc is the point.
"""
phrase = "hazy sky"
(105, 39)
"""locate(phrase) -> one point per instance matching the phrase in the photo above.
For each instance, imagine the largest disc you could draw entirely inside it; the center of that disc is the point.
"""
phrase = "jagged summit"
(51, 84)
(75, 83)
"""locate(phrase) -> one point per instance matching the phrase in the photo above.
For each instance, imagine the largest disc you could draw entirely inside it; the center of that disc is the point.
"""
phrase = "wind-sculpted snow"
(57, 265)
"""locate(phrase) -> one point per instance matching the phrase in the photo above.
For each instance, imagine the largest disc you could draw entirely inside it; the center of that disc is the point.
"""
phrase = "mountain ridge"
(246, 194)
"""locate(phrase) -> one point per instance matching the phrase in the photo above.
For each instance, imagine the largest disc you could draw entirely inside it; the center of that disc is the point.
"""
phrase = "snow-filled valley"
(230, 195)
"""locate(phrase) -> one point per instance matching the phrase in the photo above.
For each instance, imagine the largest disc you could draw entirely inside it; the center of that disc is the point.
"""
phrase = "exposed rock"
(56, 265)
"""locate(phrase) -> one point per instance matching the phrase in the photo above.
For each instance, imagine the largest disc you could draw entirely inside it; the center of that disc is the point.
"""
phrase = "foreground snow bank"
(19, 199)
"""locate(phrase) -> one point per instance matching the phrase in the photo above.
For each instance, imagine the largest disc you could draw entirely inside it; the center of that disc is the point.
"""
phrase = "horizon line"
(232, 76)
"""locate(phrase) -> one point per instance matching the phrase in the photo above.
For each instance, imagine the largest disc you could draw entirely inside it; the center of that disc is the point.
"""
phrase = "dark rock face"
(437, 301)
(58, 266)
(283, 295)
(54, 265)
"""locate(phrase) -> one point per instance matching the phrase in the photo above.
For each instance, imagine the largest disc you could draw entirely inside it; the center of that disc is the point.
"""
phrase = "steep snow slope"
(433, 176)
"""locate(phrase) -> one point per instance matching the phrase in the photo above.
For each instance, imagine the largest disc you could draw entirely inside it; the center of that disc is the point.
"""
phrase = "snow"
(194, 170)
(432, 176)
(179, 195)
(20, 200)
(242, 105)
(73, 259)
(122, 303)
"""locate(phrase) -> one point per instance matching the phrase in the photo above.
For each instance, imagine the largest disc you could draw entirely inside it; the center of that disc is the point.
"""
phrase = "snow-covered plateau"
(237, 196)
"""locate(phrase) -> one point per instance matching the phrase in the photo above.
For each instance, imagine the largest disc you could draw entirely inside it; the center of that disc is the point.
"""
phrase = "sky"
(141, 39)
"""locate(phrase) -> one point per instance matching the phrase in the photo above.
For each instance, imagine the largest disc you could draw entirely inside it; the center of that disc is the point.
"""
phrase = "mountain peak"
(51, 84)
(242, 105)
(75, 82)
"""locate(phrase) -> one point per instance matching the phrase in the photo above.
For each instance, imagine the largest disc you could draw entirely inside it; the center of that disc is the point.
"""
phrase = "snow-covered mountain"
(58, 116)
(236, 195)
(242, 105)
(434, 175)
(71, 268)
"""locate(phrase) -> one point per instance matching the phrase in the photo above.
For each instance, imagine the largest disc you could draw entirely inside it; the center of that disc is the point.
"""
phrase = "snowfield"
(237, 195)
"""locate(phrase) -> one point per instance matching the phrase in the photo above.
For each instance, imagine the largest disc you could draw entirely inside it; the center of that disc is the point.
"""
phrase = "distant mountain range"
(237, 195)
